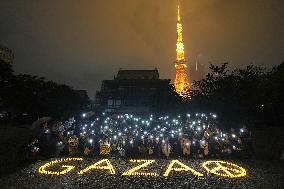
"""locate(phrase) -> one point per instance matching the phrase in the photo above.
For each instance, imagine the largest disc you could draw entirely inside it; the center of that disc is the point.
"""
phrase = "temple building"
(136, 91)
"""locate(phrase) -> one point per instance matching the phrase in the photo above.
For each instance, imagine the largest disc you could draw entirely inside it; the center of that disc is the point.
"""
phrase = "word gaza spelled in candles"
(138, 168)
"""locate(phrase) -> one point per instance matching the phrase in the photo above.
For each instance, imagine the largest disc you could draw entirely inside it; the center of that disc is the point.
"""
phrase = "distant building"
(6, 55)
(197, 71)
(135, 91)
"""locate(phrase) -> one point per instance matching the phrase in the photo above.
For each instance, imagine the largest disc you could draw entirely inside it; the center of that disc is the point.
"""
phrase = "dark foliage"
(167, 101)
(242, 96)
(37, 97)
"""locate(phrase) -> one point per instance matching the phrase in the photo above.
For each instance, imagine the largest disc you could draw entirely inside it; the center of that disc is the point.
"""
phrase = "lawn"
(12, 139)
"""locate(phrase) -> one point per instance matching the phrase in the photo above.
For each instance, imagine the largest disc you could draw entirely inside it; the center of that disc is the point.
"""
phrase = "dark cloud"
(82, 42)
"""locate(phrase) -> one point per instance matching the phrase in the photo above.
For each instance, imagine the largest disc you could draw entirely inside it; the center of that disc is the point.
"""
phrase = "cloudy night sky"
(80, 43)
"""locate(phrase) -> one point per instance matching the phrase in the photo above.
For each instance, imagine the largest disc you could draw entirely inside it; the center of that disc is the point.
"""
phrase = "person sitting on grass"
(32, 150)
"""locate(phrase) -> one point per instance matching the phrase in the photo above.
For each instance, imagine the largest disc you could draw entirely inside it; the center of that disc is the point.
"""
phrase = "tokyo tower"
(182, 85)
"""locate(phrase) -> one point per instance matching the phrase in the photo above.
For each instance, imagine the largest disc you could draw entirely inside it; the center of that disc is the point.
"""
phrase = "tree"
(273, 100)
(34, 95)
(237, 96)
(6, 74)
(166, 100)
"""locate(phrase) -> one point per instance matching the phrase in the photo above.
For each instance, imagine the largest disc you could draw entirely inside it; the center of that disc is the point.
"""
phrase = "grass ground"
(12, 138)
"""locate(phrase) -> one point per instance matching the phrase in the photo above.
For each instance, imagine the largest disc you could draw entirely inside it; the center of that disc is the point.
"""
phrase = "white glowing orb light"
(46, 131)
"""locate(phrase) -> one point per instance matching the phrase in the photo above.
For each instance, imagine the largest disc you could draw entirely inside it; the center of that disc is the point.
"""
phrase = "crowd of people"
(193, 136)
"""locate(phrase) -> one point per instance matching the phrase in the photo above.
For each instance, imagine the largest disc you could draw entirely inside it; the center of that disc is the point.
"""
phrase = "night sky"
(81, 42)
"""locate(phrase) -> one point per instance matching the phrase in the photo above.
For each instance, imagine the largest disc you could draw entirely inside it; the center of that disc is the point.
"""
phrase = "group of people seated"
(233, 145)
(113, 137)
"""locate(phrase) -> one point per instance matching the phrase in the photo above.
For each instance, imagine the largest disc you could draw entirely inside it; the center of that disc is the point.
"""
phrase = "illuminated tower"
(182, 85)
